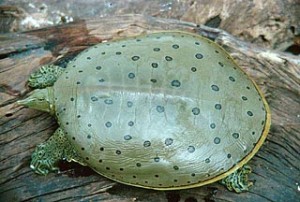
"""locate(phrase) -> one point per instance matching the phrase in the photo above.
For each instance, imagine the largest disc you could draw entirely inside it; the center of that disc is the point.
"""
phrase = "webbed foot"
(45, 76)
(47, 155)
(238, 181)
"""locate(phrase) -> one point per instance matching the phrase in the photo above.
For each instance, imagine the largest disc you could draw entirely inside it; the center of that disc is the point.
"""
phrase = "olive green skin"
(167, 110)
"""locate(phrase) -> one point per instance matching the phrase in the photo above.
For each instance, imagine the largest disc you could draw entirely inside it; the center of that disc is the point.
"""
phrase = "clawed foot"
(47, 155)
(42, 163)
(45, 76)
(238, 181)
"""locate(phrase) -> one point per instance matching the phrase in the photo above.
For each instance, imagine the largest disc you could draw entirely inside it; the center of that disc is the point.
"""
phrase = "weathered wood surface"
(276, 166)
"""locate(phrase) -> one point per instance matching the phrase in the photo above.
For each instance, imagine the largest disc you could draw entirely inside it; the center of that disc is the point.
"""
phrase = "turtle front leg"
(47, 154)
(238, 181)
(45, 76)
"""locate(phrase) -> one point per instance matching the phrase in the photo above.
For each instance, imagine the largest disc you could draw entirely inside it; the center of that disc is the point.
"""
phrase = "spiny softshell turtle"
(165, 111)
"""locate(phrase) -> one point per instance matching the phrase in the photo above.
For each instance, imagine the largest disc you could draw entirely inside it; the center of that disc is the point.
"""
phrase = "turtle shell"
(167, 110)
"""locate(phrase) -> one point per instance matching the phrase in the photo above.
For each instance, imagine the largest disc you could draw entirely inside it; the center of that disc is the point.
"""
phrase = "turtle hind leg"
(45, 76)
(238, 181)
(47, 154)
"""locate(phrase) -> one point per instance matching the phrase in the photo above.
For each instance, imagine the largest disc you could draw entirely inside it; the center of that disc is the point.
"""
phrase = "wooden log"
(276, 166)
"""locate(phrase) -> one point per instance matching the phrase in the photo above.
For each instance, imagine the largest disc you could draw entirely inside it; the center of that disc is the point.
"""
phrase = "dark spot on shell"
(108, 101)
(218, 106)
(133, 176)
(156, 49)
(131, 75)
(121, 169)
(263, 122)
(72, 99)
(176, 167)
(108, 124)
(217, 140)
(175, 46)
(88, 58)
(98, 67)
(244, 98)
(103, 53)
(88, 136)
(175, 83)
(80, 71)
(231, 79)
(196, 111)
(118, 152)
(129, 104)
(138, 165)
(229, 156)
(101, 148)
(168, 141)
(82, 148)
(168, 58)
(215, 88)
(193, 174)
(216, 51)
(127, 137)
(156, 159)
(193, 69)
(101, 80)
(154, 65)
(135, 58)
(87, 158)
(94, 98)
(73, 138)
(212, 125)
(156, 175)
(221, 64)
(197, 43)
(235, 135)
(107, 168)
(147, 143)
(78, 82)
(249, 113)
(207, 160)
(153, 80)
(123, 45)
(253, 133)
(160, 109)
(191, 149)
(89, 125)
(100, 160)
(199, 56)
(130, 123)
(248, 87)
(118, 53)
(67, 123)
(175, 180)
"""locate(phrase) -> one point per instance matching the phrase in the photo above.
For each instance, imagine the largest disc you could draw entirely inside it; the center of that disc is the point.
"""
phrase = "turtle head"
(40, 99)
